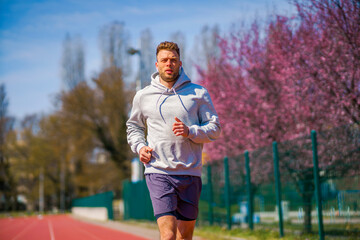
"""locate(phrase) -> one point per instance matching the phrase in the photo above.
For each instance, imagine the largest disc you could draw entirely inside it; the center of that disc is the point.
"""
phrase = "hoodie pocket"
(176, 155)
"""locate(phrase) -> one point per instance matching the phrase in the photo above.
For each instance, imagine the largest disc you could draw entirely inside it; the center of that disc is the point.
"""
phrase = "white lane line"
(89, 234)
(24, 230)
(51, 230)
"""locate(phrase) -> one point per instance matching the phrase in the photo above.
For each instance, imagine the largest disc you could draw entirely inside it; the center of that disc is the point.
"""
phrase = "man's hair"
(168, 46)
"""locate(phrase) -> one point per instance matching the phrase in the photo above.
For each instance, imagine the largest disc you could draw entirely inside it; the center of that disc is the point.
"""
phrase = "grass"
(27, 213)
(270, 231)
(221, 233)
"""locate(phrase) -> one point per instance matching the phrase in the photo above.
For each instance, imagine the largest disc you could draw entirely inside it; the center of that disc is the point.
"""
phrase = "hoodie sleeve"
(209, 128)
(136, 126)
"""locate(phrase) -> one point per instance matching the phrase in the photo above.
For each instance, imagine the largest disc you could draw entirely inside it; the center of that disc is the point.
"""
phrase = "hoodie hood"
(182, 80)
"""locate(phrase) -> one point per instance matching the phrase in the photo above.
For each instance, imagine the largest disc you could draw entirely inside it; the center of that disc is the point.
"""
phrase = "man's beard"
(165, 78)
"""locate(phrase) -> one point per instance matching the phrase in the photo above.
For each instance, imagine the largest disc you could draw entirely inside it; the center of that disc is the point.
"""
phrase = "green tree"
(24, 166)
(101, 111)
(6, 179)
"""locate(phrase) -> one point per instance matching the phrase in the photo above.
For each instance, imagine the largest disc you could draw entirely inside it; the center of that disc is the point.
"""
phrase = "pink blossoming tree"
(278, 83)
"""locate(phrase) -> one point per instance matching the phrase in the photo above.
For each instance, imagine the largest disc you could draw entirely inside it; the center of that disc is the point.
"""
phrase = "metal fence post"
(210, 196)
(317, 184)
(249, 191)
(126, 196)
(278, 188)
(227, 192)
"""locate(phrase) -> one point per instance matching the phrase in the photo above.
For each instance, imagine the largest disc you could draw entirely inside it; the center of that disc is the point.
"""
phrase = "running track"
(57, 227)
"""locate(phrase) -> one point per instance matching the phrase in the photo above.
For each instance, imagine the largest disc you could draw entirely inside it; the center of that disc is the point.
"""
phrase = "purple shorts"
(176, 195)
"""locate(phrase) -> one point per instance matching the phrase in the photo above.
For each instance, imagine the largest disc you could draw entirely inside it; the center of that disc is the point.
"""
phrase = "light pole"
(41, 191)
(137, 168)
(140, 81)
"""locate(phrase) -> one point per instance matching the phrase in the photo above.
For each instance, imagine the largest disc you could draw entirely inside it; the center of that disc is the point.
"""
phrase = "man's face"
(168, 64)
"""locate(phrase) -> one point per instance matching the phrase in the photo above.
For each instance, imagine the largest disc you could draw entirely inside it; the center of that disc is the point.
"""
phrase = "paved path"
(147, 232)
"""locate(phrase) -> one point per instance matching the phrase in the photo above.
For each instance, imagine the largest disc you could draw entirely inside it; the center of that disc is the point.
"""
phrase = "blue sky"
(32, 32)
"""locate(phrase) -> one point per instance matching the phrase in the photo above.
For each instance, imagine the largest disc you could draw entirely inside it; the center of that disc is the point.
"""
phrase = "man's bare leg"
(185, 229)
(167, 226)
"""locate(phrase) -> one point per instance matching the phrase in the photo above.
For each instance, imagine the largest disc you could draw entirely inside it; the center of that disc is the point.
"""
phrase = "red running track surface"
(57, 227)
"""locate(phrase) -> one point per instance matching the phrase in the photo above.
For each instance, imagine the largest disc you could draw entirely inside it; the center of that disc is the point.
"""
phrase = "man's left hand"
(179, 128)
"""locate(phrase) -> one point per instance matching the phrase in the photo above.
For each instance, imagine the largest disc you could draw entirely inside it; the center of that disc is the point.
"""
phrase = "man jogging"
(170, 121)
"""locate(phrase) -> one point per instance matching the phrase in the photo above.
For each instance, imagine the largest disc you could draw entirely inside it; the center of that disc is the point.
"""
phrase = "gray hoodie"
(156, 107)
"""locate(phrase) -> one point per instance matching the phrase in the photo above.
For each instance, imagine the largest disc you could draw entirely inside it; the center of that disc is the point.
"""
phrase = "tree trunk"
(14, 203)
(307, 194)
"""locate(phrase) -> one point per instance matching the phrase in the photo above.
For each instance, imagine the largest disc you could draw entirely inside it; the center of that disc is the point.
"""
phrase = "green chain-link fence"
(322, 197)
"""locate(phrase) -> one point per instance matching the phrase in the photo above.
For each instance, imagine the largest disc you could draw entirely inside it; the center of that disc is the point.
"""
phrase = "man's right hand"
(145, 154)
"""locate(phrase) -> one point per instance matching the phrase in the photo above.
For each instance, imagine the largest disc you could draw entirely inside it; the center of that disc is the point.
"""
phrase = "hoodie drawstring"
(157, 102)
(180, 99)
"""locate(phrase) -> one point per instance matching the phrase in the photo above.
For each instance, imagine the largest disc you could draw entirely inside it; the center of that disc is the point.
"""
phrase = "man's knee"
(185, 230)
(167, 227)
(184, 235)
(168, 235)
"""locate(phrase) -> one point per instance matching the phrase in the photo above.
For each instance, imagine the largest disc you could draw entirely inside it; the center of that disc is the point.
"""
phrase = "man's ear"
(156, 65)
(180, 63)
